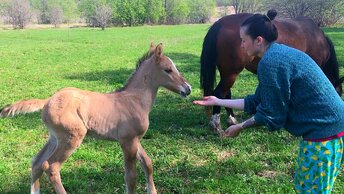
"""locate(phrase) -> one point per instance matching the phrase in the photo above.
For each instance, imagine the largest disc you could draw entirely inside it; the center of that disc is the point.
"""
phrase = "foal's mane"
(138, 65)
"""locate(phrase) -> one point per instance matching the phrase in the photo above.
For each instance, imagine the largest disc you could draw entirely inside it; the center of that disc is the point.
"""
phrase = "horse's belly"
(103, 134)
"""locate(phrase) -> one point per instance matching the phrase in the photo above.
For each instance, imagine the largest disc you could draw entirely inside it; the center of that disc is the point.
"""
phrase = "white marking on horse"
(174, 66)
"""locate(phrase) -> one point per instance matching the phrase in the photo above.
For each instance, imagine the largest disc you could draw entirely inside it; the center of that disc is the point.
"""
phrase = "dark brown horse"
(221, 48)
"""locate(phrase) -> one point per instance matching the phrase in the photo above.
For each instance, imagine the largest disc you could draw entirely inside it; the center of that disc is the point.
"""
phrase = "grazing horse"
(221, 48)
(121, 116)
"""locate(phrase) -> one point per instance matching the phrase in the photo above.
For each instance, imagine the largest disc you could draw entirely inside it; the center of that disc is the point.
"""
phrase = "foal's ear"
(158, 51)
(151, 47)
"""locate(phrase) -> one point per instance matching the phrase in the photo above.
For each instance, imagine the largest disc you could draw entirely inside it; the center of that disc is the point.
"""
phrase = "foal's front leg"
(129, 151)
(146, 164)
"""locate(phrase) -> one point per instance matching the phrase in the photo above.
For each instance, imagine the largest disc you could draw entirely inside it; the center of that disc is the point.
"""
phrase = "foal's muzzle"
(185, 90)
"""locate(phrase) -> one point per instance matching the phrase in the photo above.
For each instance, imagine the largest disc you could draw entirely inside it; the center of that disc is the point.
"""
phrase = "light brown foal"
(122, 115)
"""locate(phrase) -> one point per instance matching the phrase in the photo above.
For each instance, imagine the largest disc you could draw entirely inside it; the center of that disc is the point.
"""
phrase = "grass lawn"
(187, 157)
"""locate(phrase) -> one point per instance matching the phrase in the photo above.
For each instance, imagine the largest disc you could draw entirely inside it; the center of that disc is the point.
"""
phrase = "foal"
(121, 115)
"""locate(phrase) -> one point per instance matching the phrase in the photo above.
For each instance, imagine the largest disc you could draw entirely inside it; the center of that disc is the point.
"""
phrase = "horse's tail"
(208, 60)
(331, 68)
(23, 107)
(338, 85)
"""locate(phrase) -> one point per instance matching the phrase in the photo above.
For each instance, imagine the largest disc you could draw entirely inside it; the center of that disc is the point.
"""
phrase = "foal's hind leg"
(68, 140)
(37, 162)
(146, 164)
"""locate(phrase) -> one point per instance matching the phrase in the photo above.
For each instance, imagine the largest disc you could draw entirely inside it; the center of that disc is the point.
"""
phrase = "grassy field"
(187, 157)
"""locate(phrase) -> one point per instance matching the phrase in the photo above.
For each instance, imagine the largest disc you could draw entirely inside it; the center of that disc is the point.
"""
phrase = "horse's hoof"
(219, 132)
(231, 121)
(215, 124)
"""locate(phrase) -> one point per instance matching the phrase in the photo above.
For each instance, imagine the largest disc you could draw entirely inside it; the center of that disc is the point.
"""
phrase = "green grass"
(187, 157)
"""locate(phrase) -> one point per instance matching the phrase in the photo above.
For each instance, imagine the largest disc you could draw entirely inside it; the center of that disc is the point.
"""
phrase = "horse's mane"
(138, 65)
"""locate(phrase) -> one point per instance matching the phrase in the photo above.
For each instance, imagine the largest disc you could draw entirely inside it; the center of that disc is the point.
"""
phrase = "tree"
(131, 12)
(177, 11)
(200, 10)
(19, 13)
(56, 16)
(328, 12)
(102, 15)
(88, 10)
(249, 6)
(44, 8)
(323, 12)
(155, 11)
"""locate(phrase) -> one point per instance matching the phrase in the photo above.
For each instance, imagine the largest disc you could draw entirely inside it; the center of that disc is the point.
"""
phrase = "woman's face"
(250, 45)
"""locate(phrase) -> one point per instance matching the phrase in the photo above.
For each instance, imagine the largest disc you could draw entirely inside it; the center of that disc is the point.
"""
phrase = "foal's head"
(164, 72)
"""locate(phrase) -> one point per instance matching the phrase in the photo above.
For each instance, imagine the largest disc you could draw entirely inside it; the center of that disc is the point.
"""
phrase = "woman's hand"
(233, 130)
(207, 101)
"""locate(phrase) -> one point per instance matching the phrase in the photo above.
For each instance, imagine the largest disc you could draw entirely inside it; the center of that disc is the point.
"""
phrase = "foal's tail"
(331, 68)
(23, 107)
(208, 59)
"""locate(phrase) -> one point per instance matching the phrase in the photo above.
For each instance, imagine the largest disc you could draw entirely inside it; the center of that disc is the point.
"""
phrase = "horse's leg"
(228, 82)
(146, 164)
(223, 91)
(130, 149)
(215, 121)
(68, 139)
(37, 162)
(231, 117)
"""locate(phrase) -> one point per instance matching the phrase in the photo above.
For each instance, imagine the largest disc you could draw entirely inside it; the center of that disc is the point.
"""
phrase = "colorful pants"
(318, 165)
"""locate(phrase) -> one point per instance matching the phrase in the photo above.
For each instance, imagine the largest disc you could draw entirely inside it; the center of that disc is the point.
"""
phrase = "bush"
(19, 13)
(201, 10)
(177, 11)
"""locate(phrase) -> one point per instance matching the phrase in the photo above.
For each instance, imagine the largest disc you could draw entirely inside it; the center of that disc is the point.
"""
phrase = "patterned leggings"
(318, 165)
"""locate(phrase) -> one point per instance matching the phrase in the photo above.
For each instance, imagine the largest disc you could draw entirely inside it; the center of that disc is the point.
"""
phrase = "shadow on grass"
(110, 77)
(180, 177)
(121, 75)
(108, 179)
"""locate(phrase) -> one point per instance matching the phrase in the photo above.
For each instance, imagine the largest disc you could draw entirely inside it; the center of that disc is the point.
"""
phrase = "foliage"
(18, 13)
(187, 157)
(323, 12)
(56, 16)
(92, 9)
(155, 11)
(200, 10)
(46, 7)
(131, 12)
(241, 6)
(102, 14)
(177, 11)
(126, 12)
(250, 6)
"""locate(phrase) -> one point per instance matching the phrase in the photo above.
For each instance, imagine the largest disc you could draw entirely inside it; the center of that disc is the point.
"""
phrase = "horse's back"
(300, 33)
(303, 34)
(228, 44)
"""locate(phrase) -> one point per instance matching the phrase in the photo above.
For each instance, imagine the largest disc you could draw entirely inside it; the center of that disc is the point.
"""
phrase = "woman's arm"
(213, 101)
(234, 130)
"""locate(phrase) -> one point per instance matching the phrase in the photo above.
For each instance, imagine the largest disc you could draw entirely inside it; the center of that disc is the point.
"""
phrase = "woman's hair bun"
(272, 13)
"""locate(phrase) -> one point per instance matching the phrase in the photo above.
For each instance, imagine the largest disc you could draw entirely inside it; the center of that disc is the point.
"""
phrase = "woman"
(294, 94)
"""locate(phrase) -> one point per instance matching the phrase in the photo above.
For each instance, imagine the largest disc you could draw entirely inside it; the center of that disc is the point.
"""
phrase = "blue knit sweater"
(293, 93)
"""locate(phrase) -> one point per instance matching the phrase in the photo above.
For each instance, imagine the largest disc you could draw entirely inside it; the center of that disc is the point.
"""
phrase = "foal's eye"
(168, 71)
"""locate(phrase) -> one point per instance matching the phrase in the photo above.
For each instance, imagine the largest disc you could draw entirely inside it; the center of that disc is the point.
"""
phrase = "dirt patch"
(224, 155)
(268, 174)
